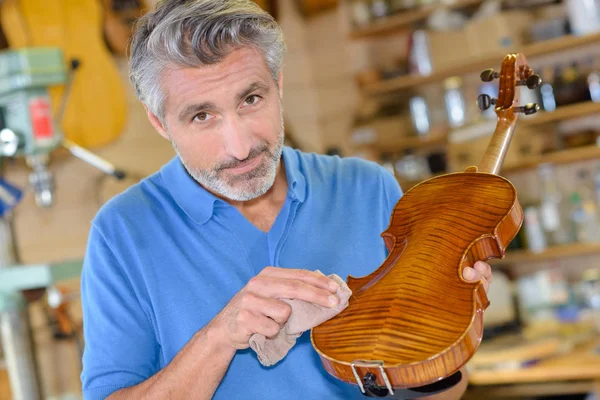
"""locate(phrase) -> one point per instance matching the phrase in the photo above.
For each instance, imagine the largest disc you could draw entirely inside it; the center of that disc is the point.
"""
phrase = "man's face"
(225, 122)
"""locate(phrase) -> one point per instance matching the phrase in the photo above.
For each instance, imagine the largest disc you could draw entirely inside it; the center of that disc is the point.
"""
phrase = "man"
(184, 267)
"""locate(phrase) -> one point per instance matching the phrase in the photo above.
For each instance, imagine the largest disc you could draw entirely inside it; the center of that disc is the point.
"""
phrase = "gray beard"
(244, 187)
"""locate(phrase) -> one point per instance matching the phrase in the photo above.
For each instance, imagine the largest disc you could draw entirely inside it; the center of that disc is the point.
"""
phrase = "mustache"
(255, 152)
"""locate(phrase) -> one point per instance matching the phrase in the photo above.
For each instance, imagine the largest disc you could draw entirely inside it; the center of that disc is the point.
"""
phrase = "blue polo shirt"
(166, 256)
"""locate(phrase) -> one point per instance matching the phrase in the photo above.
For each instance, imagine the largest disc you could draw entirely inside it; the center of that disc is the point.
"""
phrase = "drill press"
(27, 127)
(30, 129)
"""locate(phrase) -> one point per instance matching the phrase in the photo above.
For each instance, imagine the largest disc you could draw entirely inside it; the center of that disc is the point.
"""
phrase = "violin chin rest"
(376, 391)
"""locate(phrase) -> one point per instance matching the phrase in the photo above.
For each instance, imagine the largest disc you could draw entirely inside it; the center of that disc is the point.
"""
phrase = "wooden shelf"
(403, 20)
(412, 143)
(560, 157)
(562, 113)
(551, 253)
(577, 361)
(474, 64)
(440, 136)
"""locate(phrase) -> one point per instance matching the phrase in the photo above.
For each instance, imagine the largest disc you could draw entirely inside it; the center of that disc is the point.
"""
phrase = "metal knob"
(9, 142)
(484, 101)
(489, 75)
(528, 109)
(534, 81)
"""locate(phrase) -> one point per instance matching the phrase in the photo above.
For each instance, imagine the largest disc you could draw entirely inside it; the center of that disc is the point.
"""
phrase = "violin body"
(437, 228)
(415, 320)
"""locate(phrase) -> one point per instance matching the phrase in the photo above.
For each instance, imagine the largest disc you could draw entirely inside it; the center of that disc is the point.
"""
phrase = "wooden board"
(567, 250)
(404, 20)
(476, 64)
(556, 158)
(562, 113)
(580, 364)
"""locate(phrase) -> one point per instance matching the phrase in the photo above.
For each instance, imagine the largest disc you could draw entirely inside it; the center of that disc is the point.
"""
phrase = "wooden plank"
(415, 142)
(559, 157)
(403, 20)
(530, 390)
(581, 363)
(474, 64)
(537, 374)
(563, 251)
(562, 113)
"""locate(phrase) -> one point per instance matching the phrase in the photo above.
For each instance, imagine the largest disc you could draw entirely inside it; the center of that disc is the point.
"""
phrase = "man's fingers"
(484, 269)
(482, 272)
(309, 277)
(277, 310)
(265, 326)
(277, 288)
(471, 274)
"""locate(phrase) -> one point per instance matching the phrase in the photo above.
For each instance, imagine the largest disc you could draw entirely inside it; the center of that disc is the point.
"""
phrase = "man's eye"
(202, 117)
(251, 100)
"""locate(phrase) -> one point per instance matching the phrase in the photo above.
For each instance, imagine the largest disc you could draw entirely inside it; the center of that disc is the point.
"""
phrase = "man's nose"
(237, 139)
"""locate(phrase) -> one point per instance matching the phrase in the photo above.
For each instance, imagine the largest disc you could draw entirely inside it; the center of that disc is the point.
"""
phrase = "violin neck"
(494, 156)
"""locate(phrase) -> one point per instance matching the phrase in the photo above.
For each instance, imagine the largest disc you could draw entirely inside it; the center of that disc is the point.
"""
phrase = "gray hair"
(192, 33)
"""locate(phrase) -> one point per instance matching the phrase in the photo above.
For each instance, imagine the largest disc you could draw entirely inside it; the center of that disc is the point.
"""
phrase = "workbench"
(573, 372)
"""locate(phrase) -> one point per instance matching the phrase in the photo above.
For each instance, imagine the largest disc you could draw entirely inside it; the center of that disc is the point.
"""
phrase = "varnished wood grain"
(415, 314)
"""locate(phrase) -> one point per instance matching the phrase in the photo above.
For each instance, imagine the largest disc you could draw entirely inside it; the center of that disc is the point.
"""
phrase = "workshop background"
(393, 81)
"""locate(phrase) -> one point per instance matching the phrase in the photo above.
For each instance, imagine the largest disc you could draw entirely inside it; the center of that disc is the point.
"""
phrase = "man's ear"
(155, 121)
(280, 84)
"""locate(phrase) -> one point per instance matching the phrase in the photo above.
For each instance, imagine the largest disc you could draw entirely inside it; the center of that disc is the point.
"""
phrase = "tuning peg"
(489, 75)
(528, 109)
(532, 82)
(484, 101)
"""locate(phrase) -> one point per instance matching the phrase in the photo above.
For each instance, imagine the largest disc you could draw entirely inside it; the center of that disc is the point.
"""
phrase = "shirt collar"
(293, 172)
(199, 204)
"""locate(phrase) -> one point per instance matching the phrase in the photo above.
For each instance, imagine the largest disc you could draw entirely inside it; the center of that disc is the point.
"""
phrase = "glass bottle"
(547, 90)
(534, 233)
(584, 214)
(419, 114)
(553, 208)
(455, 102)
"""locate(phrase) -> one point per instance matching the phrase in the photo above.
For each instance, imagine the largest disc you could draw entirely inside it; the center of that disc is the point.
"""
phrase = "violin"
(415, 321)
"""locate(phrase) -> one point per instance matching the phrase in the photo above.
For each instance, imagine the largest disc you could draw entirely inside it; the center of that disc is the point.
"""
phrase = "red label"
(41, 117)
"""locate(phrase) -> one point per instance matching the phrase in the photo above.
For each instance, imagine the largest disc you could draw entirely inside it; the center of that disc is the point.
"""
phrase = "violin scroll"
(513, 74)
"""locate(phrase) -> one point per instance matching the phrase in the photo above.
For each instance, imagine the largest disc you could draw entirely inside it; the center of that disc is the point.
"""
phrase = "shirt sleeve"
(120, 346)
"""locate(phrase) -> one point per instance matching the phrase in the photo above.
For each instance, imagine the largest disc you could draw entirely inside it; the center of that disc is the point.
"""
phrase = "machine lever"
(94, 160)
